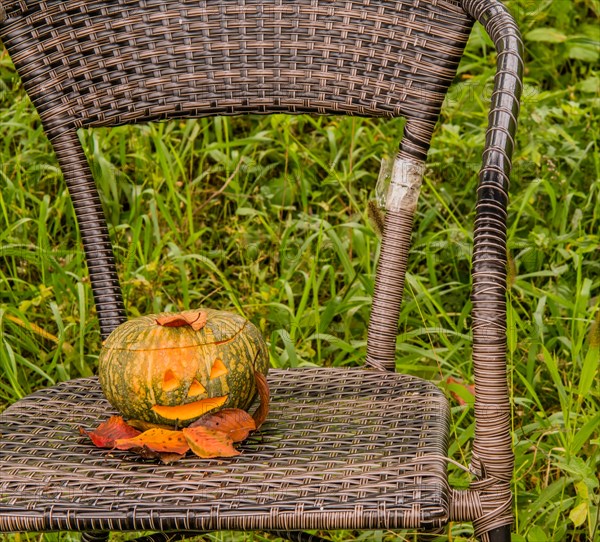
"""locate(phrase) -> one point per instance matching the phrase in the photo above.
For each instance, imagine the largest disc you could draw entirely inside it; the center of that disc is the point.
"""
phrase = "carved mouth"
(189, 410)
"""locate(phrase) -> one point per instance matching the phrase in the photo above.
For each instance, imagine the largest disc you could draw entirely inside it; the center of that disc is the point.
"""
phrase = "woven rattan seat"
(342, 449)
(327, 448)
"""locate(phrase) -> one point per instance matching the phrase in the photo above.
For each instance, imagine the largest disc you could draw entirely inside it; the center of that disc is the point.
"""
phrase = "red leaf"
(195, 319)
(261, 413)
(156, 440)
(469, 390)
(209, 443)
(234, 422)
(105, 435)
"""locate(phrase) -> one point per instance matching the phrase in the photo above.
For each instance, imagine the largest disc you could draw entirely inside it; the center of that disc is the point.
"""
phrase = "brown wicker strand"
(416, 139)
(485, 503)
(389, 288)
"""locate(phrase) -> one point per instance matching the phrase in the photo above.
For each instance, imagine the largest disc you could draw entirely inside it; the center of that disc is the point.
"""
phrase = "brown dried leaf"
(166, 457)
(234, 422)
(108, 432)
(156, 440)
(261, 413)
(208, 443)
(195, 319)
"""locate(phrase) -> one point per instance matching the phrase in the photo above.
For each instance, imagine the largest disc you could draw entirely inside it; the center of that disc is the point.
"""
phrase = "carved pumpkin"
(174, 368)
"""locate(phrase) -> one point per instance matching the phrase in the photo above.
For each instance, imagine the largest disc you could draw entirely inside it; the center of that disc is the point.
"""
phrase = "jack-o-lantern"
(174, 368)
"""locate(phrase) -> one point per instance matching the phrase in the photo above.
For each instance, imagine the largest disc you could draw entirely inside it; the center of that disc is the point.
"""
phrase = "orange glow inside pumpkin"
(170, 381)
(189, 410)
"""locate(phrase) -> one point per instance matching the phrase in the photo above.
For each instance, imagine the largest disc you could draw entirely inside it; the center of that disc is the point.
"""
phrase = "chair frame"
(39, 61)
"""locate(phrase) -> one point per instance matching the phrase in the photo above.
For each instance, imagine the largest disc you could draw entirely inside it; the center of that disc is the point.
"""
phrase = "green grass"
(269, 216)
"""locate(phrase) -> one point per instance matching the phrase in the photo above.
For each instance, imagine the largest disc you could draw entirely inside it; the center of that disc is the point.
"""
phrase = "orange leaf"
(156, 440)
(209, 443)
(105, 435)
(261, 413)
(195, 319)
(234, 422)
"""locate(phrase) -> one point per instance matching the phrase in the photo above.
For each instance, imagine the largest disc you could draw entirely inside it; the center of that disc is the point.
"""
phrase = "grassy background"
(269, 216)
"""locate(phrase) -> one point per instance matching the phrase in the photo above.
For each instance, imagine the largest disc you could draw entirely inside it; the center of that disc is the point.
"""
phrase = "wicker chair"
(343, 448)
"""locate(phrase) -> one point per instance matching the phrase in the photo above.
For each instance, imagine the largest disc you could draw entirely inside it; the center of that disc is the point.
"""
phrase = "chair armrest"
(492, 450)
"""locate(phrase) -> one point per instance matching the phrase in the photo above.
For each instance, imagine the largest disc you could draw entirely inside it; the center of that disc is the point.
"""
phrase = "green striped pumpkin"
(171, 373)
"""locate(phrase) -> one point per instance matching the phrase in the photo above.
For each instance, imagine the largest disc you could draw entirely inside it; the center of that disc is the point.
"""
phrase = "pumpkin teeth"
(170, 381)
(196, 389)
(218, 369)
(189, 410)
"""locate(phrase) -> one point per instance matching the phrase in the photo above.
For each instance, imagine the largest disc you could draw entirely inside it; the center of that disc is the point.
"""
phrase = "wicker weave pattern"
(194, 58)
(367, 460)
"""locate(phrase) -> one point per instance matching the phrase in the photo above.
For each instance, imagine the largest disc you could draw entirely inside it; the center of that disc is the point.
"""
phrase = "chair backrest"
(89, 63)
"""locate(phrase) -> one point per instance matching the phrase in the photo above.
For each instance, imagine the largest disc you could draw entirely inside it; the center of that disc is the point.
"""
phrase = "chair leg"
(401, 203)
(293, 536)
(501, 534)
(95, 537)
(167, 537)
(298, 536)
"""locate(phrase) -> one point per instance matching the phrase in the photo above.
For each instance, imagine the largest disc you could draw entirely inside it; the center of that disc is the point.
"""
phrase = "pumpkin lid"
(176, 330)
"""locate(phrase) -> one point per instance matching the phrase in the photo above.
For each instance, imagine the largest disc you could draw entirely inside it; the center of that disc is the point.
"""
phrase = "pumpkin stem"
(195, 319)
(262, 386)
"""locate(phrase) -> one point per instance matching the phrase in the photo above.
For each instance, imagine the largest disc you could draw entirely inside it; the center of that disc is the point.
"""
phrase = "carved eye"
(218, 369)
(196, 389)
(170, 381)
